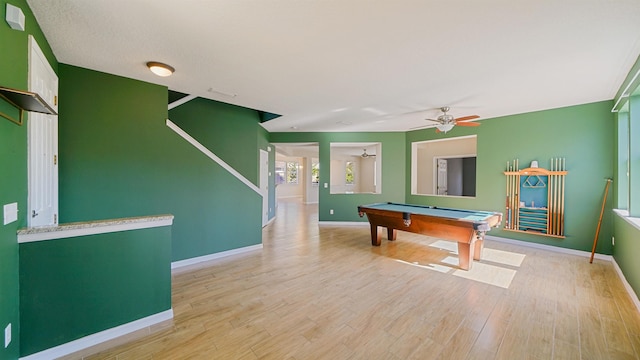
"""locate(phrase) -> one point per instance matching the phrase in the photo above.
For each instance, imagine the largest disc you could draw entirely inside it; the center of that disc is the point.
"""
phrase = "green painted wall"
(119, 159)
(13, 162)
(74, 287)
(345, 206)
(231, 132)
(584, 135)
(626, 251)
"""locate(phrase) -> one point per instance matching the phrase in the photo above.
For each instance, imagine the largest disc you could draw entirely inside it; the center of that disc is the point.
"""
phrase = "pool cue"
(549, 200)
(552, 208)
(562, 178)
(559, 197)
(554, 221)
(557, 194)
(516, 198)
(508, 198)
(604, 201)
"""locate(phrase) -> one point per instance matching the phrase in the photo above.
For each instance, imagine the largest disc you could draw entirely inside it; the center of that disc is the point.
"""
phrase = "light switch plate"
(10, 212)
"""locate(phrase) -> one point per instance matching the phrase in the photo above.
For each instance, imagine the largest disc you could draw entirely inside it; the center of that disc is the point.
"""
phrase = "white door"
(442, 177)
(42, 142)
(264, 185)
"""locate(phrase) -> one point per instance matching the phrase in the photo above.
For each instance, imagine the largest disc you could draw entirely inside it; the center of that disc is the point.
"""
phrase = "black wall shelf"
(24, 101)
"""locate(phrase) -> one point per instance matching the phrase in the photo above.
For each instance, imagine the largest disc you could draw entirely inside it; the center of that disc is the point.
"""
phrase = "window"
(292, 172)
(349, 173)
(286, 172)
(628, 164)
(315, 173)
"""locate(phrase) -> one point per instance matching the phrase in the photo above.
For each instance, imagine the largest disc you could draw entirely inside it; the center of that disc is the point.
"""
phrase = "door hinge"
(55, 159)
(55, 100)
(55, 218)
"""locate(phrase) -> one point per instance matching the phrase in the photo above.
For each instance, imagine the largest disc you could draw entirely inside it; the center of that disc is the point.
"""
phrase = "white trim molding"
(556, 249)
(200, 259)
(181, 101)
(85, 228)
(212, 156)
(101, 337)
(624, 214)
(627, 286)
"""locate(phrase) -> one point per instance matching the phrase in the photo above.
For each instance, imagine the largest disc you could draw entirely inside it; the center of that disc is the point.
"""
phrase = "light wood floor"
(325, 293)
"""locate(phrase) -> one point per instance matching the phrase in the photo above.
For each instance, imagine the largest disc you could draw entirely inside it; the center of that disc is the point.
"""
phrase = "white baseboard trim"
(100, 337)
(343, 223)
(632, 294)
(585, 254)
(549, 248)
(196, 260)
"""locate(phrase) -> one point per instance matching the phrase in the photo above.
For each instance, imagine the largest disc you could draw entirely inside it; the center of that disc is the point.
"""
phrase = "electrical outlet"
(613, 240)
(331, 212)
(7, 336)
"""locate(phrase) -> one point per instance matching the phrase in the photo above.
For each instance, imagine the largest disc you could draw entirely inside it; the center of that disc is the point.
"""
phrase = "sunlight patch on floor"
(445, 245)
(488, 274)
(481, 272)
(503, 257)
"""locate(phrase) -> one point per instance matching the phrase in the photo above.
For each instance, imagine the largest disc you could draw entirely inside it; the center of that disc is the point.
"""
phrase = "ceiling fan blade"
(467, 118)
(467, 123)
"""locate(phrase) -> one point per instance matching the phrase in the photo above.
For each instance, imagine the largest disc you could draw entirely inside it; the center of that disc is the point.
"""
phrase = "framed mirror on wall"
(356, 168)
(444, 167)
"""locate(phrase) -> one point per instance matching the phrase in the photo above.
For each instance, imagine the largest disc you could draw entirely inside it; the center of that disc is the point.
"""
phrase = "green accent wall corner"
(13, 161)
(583, 134)
(118, 159)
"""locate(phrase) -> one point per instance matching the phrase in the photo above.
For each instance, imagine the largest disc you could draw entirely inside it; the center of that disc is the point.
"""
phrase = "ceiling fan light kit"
(446, 122)
(444, 127)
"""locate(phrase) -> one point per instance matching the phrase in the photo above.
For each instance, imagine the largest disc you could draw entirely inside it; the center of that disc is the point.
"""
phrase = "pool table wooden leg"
(465, 255)
(376, 235)
(477, 253)
(391, 233)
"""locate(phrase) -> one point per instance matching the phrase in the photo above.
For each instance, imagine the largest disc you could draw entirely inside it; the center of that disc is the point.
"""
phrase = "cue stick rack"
(523, 214)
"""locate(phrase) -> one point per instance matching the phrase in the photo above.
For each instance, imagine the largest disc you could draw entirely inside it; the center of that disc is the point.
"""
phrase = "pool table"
(467, 227)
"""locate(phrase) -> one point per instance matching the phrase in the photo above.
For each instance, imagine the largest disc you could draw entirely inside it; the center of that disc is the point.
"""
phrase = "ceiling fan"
(365, 155)
(446, 122)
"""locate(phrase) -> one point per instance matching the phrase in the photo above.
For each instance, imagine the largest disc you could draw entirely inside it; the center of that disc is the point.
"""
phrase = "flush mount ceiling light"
(160, 69)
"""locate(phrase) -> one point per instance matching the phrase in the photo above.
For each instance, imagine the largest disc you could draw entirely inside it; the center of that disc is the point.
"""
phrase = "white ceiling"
(358, 65)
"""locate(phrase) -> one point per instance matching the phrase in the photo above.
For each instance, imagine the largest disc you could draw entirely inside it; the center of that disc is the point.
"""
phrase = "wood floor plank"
(323, 292)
